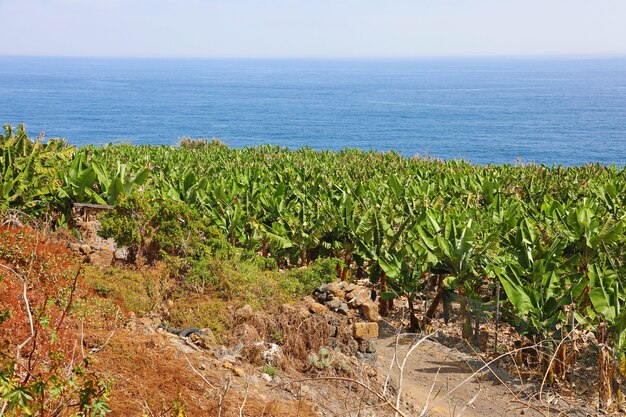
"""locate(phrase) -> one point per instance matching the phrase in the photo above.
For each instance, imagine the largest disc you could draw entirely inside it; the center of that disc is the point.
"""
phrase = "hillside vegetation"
(551, 237)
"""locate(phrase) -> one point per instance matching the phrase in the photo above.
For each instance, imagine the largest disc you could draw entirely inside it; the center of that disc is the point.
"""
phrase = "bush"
(154, 228)
(322, 271)
(39, 373)
(190, 143)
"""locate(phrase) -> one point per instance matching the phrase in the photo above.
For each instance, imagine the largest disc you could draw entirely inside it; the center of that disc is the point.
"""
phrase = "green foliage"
(306, 279)
(128, 224)
(152, 228)
(134, 290)
(76, 389)
(199, 311)
(327, 359)
(270, 370)
(190, 143)
(551, 236)
(29, 170)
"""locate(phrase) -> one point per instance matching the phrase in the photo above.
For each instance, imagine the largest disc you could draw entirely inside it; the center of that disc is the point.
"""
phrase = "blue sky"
(312, 28)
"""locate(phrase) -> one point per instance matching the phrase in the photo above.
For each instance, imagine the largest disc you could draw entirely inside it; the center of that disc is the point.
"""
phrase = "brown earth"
(439, 381)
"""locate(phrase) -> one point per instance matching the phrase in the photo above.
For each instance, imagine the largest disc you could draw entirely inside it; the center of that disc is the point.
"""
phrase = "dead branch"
(401, 367)
(245, 398)
(384, 400)
(198, 373)
(95, 350)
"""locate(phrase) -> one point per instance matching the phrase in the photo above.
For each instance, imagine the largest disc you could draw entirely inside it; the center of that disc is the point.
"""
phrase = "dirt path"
(435, 367)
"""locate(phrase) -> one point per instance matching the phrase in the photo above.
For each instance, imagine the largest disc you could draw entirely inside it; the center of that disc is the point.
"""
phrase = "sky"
(312, 28)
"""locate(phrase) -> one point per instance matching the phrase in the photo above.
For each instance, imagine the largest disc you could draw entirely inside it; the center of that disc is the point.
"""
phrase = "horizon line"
(332, 57)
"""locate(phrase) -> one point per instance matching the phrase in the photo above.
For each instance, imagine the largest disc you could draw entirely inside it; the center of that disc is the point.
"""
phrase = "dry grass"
(290, 326)
(151, 372)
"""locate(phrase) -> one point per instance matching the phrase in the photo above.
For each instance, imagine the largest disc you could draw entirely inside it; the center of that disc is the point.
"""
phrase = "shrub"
(154, 228)
(322, 271)
(39, 281)
(190, 143)
(270, 370)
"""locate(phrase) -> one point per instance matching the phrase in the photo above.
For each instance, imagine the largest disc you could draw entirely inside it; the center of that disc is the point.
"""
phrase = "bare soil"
(439, 381)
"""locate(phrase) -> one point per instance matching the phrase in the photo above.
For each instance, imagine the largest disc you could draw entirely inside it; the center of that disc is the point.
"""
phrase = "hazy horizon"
(538, 57)
(300, 29)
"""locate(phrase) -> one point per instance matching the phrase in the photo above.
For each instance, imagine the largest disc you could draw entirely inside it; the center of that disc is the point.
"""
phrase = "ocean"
(552, 111)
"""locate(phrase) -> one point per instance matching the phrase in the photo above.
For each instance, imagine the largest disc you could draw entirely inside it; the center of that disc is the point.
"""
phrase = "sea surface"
(552, 111)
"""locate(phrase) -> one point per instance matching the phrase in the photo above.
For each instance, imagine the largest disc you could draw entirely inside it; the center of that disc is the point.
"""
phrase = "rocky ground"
(352, 373)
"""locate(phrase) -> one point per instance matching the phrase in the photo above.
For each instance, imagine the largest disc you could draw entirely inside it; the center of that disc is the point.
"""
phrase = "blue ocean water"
(564, 111)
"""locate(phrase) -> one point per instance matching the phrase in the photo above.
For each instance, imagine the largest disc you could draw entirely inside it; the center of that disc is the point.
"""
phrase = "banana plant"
(606, 315)
(28, 170)
(458, 249)
(112, 185)
(79, 181)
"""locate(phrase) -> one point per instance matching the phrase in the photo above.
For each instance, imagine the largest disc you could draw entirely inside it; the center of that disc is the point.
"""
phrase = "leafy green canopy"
(552, 236)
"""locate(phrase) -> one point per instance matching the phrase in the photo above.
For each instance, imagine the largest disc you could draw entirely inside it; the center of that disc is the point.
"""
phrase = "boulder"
(343, 309)
(204, 339)
(314, 307)
(85, 249)
(365, 331)
(334, 304)
(370, 310)
(358, 296)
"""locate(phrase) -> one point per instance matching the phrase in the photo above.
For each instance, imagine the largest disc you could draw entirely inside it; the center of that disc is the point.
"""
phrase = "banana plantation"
(552, 238)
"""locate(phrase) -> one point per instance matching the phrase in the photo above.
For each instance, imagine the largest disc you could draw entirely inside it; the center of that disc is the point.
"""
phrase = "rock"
(343, 309)
(365, 331)
(148, 325)
(322, 297)
(102, 258)
(340, 294)
(370, 310)
(227, 365)
(239, 372)
(74, 247)
(366, 357)
(270, 354)
(244, 312)
(266, 377)
(366, 346)
(89, 231)
(85, 249)
(353, 346)
(334, 304)
(314, 307)
(204, 339)
(121, 254)
(337, 289)
(132, 322)
(357, 297)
